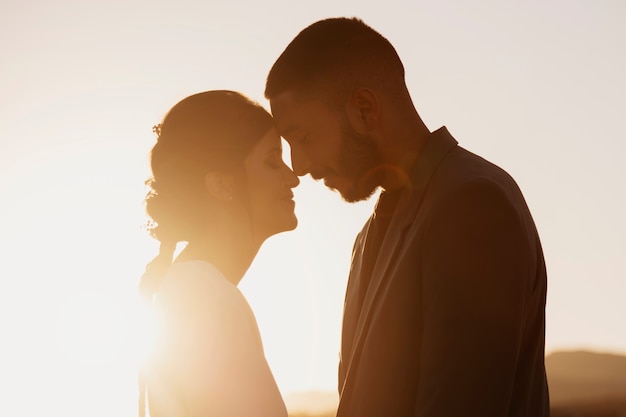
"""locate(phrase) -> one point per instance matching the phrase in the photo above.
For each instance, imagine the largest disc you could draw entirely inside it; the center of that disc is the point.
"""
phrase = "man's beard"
(361, 163)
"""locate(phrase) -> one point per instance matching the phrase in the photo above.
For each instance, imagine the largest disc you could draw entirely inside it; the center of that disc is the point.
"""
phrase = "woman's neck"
(231, 256)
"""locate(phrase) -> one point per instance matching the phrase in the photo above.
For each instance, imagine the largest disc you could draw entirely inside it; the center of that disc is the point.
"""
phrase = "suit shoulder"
(462, 168)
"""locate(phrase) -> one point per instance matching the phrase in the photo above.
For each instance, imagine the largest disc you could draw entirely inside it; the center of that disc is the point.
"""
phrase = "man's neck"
(401, 153)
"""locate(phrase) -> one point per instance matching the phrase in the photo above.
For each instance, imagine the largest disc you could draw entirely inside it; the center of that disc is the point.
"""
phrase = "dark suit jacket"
(452, 320)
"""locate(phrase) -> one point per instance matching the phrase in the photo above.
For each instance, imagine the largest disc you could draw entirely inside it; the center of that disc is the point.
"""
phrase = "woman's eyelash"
(274, 161)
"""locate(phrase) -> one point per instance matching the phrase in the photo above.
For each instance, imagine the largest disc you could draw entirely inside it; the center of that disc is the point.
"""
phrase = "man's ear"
(363, 109)
(219, 185)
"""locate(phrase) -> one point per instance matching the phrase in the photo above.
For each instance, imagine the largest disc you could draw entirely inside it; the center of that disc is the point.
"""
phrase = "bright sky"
(537, 87)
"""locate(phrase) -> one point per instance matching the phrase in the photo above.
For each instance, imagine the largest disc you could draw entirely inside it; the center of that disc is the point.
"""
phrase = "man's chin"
(330, 184)
(356, 197)
(348, 191)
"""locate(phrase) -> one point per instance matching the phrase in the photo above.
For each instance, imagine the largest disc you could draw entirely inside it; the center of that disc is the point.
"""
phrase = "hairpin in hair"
(156, 129)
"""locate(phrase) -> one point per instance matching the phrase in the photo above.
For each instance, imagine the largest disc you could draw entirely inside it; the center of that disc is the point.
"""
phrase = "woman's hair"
(209, 131)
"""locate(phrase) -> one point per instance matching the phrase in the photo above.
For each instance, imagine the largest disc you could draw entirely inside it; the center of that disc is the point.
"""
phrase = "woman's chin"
(290, 223)
(286, 224)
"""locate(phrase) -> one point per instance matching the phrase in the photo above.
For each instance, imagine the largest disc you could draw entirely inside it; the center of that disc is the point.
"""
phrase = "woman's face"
(269, 182)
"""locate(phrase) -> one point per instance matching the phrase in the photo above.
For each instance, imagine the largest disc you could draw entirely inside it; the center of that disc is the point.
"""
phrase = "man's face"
(325, 145)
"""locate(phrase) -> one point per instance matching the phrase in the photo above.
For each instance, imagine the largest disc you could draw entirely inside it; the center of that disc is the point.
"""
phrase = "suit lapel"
(353, 302)
(433, 152)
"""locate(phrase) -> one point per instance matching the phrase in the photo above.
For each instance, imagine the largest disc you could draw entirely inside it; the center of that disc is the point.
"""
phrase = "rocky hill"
(582, 384)
(582, 376)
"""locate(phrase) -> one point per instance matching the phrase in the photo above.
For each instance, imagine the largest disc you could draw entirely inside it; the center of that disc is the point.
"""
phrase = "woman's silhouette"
(219, 184)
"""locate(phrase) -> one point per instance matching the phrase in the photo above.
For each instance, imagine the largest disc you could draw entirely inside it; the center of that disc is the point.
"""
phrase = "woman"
(219, 184)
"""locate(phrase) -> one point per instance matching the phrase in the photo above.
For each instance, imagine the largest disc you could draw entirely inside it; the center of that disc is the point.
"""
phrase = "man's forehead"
(289, 109)
(285, 102)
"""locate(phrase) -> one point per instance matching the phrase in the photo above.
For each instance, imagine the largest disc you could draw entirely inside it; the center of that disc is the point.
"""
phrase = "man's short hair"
(332, 56)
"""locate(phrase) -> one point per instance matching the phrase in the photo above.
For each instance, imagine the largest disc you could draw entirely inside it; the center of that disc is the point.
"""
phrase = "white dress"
(208, 358)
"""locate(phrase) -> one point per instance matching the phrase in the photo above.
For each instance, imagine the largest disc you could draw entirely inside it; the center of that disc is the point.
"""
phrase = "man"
(445, 307)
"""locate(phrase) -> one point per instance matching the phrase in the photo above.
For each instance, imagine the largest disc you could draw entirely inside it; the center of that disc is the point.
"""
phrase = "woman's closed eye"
(275, 161)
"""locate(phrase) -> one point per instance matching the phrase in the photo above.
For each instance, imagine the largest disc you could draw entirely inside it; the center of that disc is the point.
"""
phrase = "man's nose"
(300, 163)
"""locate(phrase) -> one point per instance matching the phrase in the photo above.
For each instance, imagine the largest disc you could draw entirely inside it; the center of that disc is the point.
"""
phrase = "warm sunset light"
(536, 87)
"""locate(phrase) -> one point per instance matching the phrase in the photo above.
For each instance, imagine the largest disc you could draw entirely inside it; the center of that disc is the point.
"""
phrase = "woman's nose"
(292, 179)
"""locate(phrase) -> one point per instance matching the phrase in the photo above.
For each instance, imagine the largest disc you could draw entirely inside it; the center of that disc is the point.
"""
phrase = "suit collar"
(439, 143)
